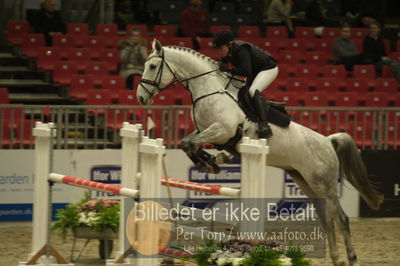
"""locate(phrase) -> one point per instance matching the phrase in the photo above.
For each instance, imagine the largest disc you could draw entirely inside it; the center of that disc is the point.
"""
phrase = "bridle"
(157, 79)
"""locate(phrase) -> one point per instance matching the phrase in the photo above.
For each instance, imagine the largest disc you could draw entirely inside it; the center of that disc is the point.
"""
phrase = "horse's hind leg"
(327, 215)
(343, 221)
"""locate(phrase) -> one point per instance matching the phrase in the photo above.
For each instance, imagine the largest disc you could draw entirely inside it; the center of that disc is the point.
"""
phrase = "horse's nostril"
(141, 99)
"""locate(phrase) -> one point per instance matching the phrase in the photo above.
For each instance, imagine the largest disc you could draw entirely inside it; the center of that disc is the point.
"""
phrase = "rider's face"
(224, 50)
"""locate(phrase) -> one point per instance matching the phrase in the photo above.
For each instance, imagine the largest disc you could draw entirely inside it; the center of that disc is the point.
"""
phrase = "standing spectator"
(374, 46)
(194, 22)
(278, 14)
(48, 21)
(345, 50)
(133, 54)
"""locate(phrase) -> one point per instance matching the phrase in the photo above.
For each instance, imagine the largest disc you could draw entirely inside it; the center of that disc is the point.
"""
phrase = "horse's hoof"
(340, 263)
(213, 168)
(222, 158)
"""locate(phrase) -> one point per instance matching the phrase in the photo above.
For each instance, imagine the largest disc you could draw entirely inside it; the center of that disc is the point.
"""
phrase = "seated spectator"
(133, 54)
(278, 14)
(345, 50)
(374, 47)
(194, 23)
(48, 21)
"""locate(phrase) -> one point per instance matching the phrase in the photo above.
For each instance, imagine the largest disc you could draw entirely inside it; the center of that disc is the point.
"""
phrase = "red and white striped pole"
(206, 188)
(92, 185)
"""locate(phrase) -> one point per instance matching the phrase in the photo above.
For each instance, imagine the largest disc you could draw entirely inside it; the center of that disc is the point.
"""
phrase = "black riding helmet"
(222, 37)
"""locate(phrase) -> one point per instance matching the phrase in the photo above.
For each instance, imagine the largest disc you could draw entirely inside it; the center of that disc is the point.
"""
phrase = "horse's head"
(157, 74)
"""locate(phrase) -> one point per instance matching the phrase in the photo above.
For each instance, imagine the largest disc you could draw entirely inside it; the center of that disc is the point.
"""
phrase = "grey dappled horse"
(314, 161)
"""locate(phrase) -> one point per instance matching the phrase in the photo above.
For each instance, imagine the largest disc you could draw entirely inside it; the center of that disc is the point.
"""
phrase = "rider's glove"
(224, 67)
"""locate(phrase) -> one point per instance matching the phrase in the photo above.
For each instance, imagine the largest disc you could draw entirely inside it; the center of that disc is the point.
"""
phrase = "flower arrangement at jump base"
(246, 253)
(97, 215)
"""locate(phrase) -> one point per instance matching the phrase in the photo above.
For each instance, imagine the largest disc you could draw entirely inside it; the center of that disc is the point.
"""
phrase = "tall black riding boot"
(264, 130)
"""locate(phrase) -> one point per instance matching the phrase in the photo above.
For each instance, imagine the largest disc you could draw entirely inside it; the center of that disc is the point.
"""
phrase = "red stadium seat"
(364, 71)
(395, 56)
(357, 85)
(248, 32)
(206, 44)
(142, 27)
(376, 99)
(95, 44)
(305, 32)
(4, 98)
(297, 85)
(63, 71)
(115, 118)
(111, 57)
(306, 71)
(330, 85)
(331, 32)
(16, 31)
(388, 85)
(166, 31)
(78, 29)
(317, 58)
(110, 33)
(316, 98)
(289, 57)
(164, 98)
(98, 97)
(114, 84)
(290, 98)
(215, 28)
(270, 45)
(80, 56)
(30, 43)
(97, 69)
(346, 99)
(297, 44)
(127, 97)
(182, 41)
(323, 45)
(337, 71)
(108, 30)
(64, 42)
(80, 84)
(47, 56)
(277, 32)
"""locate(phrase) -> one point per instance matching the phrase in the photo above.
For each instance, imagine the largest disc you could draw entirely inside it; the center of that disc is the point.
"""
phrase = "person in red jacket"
(194, 22)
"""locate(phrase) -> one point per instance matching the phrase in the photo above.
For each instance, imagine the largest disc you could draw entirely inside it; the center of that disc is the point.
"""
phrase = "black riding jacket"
(248, 60)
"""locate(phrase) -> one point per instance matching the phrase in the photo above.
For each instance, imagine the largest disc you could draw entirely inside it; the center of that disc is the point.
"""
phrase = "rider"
(258, 66)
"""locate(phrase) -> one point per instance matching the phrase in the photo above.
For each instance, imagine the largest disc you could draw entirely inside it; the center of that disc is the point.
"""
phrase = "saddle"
(276, 113)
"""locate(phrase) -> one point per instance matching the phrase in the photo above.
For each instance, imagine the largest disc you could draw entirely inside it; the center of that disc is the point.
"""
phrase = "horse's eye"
(153, 66)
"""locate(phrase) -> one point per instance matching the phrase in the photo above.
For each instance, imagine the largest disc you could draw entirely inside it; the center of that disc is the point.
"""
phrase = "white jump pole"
(92, 185)
(42, 133)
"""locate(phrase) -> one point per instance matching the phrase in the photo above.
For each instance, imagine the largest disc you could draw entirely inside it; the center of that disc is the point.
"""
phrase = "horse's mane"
(193, 52)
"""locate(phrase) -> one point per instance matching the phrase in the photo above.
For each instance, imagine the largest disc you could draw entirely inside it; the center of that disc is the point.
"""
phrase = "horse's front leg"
(216, 133)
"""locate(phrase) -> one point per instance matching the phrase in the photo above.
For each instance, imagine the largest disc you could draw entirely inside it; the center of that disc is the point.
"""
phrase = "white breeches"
(263, 80)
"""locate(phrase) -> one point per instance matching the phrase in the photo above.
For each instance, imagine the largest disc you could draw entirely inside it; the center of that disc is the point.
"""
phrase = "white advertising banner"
(17, 178)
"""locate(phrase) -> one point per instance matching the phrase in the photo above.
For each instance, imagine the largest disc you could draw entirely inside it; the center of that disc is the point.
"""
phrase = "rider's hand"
(224, 67)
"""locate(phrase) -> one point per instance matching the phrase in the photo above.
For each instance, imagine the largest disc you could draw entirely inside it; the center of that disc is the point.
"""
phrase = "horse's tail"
(353, 168)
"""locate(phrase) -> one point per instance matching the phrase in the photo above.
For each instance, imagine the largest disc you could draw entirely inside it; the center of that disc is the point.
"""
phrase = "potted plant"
(90, 219)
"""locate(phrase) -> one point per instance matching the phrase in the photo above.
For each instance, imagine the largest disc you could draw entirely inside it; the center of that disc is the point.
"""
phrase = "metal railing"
(97, 127)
